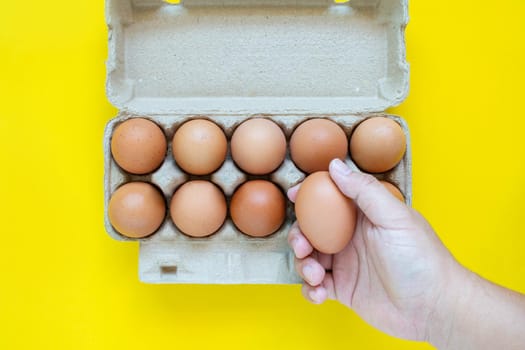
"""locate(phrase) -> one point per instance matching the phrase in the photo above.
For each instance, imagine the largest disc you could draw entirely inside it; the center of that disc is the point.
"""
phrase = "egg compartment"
(227, 256)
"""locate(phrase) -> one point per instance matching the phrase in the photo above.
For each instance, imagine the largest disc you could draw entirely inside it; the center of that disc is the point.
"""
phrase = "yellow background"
(65, 284)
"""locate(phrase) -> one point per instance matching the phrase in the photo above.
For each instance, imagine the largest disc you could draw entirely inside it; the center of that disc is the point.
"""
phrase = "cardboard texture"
(229, 61)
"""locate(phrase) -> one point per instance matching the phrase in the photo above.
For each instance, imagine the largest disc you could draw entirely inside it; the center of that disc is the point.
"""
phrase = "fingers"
(312, 266)
(324, 259)
(316, 295)
(310, 271)
(292, 192)
(319, 294)
(300, 245)
(374, 200)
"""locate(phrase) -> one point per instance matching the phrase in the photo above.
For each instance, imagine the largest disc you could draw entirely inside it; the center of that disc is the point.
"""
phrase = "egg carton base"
(205, 264)
(228, 256)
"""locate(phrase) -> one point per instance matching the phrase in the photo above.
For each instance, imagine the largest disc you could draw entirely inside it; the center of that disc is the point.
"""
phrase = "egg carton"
(231, 60)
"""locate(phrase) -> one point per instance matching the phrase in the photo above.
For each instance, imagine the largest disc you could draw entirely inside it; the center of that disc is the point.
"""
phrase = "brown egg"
(325, 216)
(394, 190)
(377, 144)
(258, 208)
(315, 143)
(258, 146)
(138, 146)
(198, 208)
(199, 147)
(136, 209)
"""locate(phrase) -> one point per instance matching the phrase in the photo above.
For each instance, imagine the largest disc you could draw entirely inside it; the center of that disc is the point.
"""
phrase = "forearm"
(477, 314)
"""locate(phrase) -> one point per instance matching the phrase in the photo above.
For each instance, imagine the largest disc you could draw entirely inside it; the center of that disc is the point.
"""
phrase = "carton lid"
(256, 56)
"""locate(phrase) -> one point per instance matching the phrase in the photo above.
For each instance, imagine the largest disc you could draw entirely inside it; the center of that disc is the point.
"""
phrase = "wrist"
(451, 307)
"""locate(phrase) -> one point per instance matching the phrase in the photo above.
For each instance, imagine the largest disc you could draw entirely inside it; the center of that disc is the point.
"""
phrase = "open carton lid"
(256, 56)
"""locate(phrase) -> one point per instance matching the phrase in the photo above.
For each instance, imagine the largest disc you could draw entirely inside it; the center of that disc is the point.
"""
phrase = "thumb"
(374, 200)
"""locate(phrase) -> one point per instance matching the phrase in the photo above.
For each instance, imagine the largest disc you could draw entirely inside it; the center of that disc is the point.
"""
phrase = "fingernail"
(314, 295)
(340, 167)
(307, 272)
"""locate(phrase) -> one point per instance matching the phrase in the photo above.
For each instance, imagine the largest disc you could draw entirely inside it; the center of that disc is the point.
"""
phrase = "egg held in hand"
(325, 215)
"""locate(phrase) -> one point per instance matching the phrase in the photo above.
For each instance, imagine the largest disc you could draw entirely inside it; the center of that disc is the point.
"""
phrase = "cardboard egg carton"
(228, 61)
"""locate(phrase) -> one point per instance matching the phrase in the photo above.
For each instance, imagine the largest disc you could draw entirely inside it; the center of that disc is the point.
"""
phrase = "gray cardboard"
(246, 57)
(231, 60)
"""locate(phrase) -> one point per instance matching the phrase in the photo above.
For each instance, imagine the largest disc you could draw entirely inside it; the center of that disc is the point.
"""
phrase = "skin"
(400, 278)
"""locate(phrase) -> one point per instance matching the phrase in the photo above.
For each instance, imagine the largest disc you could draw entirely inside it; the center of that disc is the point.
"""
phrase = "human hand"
(395, 270)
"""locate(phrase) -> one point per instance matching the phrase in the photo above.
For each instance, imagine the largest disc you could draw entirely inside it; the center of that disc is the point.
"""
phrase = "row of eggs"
(257, 208)
(258, 145)
(198, 208)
